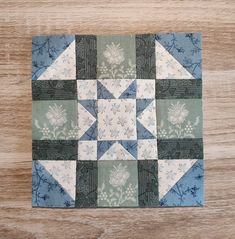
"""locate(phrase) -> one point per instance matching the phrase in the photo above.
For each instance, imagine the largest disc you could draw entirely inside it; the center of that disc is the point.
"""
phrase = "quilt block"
(117, 121)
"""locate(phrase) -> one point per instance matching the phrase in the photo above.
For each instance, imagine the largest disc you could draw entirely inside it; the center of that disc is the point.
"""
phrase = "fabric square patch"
(181, 182)
(147, 149)
(53, 58)
(117, 121)
(116, 57)
(54, 120)
(87, 89)
(53, 183)
(178, 55)
(112, 119)
(87, 150)
(117, 184)
(181, 118)
(145, 89)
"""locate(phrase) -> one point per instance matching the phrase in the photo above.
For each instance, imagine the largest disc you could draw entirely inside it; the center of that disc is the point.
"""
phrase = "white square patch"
(87, 89)
(117, 119)
(145, 89)
(87, 150)
(147, 149)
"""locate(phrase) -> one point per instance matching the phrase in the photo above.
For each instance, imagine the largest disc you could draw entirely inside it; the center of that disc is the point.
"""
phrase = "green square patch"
(117, 184)
(54, 120)
(116, 57)
(179, 118)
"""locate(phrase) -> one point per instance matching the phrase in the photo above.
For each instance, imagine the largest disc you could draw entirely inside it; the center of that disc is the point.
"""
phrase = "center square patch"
(117, 121)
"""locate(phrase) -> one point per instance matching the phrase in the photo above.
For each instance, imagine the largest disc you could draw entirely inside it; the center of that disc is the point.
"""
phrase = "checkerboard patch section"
(117, 121)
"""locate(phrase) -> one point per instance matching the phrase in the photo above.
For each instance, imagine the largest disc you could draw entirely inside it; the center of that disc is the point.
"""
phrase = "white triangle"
(85, 120)
(117, 152)
(167, 67)
(170, 172)
(64, 67)
(116, 86)
(64, 172)
(148, 118)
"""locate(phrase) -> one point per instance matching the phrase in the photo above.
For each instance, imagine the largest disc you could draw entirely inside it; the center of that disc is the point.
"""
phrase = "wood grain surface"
(19, 20)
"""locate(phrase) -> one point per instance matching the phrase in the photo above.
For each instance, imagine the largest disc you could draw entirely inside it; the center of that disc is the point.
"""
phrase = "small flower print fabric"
(117, 121)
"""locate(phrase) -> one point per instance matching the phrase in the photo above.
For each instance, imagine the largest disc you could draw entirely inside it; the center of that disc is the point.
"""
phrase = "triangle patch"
(130, 92)
(103, 92)
(85, 120)
(142, 132)
(117, 152)
(58, 171)
(102, 147)
(141, 105)
(64, 67)
(170, 172)
(90, 106)
(148, 118)
(91, 133)
(115, 86)
(130, 146)
(167, 67)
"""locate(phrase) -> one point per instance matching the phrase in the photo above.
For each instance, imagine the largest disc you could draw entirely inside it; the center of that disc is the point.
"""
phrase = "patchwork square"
(116, 57)
(117, 121)
(117, 184)
(54, 120)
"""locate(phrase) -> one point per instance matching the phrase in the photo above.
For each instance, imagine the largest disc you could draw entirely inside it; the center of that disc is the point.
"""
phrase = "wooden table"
(19, 20)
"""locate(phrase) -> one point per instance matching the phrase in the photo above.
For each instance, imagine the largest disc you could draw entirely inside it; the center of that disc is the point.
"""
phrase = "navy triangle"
(130, 146)
(90, 106)
(102, 92)
(188, 191)
(142, 132)
(102, 147)
(141, 105)
(130, 92)
(91, 133)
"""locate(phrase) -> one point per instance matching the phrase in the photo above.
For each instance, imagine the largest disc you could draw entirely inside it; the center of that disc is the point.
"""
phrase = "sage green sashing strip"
(117, 121)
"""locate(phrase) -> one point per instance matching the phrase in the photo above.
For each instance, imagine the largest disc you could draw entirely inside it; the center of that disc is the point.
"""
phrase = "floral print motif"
(119, 186)
(56, 115)
(118, 176)
(116, 57)
(58, 126)
(179, 124)
(114, 54)
(177, 113)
